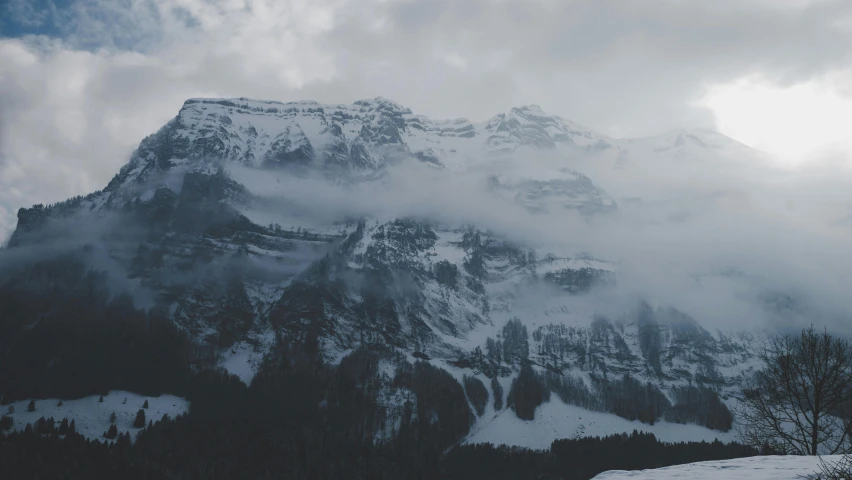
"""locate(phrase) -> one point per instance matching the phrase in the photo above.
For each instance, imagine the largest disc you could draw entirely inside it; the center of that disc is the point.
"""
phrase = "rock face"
(565, 188)
(179, 233)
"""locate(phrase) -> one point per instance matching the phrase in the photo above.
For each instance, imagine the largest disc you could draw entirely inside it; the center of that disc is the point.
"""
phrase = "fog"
(107, 242)
(733, 241)
(729, 239)
(88, 237)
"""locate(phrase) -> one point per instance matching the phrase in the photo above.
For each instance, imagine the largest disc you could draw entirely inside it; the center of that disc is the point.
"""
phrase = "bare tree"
(837, 470)
(799, 402)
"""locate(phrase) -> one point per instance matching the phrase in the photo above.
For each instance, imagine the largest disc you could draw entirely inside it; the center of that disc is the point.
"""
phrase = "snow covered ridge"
(360, 141)
(343, 143)
(92, 417)
(357, 141)
(751, 468)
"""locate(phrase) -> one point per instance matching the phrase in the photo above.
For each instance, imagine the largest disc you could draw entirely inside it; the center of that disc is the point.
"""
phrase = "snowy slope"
(694, 145)
(244, 358)
(91, 417)
(450, 318)
(753, 468)
(555, 420)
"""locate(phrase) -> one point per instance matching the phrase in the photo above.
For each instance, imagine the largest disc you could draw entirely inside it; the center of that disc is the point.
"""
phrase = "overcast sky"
(83, 81)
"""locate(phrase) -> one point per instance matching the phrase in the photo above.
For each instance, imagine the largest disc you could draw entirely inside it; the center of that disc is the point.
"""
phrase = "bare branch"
(801, 401)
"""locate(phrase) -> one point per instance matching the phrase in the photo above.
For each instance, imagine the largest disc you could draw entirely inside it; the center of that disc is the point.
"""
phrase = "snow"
(387, 369)
(752, 468)
(555, 420)
(147, 195)
(447, 247)
(92, 417)
(242, 360)
(458, 143)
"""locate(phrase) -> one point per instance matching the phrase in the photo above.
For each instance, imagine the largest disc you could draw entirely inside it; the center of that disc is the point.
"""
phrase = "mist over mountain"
(537, 271)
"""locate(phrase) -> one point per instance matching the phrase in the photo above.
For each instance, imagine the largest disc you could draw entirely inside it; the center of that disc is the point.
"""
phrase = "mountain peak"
(696, 141)
(532, 108)
(383, 103)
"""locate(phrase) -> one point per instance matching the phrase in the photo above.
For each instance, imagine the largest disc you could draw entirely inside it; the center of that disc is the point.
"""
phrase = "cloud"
(71, 116)
(788, 122)
(90, 81)
(630, 65)
(734, 245)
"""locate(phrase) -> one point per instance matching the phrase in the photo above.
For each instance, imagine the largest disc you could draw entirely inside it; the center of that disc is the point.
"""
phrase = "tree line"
(581, 459)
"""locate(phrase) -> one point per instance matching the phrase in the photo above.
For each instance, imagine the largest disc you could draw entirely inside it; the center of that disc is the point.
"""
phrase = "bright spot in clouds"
(795, 123)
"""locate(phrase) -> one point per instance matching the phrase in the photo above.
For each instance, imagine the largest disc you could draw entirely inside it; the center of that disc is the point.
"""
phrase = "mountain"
(693, 144)
(212, 250)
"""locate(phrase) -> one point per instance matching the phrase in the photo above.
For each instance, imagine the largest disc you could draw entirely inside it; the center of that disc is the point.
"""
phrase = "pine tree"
(11, 409)
(476, 392)
(112, 418)
(59, 404)
(63, 427)
(49, 425)
(5, 423)
(139, 422)
(498, 394)
(39, 426)
(527, 393)
(31, 406)
(72, 428)
(123, 440)
(101, 400)
(145, 405)
(112, 432)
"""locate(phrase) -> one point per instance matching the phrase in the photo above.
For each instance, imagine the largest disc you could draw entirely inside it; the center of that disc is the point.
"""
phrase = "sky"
(83, 81)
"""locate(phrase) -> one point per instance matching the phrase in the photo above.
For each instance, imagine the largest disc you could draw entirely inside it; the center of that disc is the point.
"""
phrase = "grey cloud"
(626, 66)
(623, 67)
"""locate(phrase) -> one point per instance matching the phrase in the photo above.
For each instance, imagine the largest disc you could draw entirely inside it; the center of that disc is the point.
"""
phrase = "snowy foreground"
(91, 417)
(753, 468)
(555, 420)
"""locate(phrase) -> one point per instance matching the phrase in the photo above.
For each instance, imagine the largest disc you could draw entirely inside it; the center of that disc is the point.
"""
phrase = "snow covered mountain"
(694, 144)
(188, 229)
(360, 140)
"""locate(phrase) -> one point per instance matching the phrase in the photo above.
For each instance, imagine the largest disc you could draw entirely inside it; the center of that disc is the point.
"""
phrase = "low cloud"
(733, 247)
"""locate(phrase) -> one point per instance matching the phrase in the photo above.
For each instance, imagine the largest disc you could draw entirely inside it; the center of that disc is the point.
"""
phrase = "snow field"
(91, 417)
(556, 420)
(753, 468)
